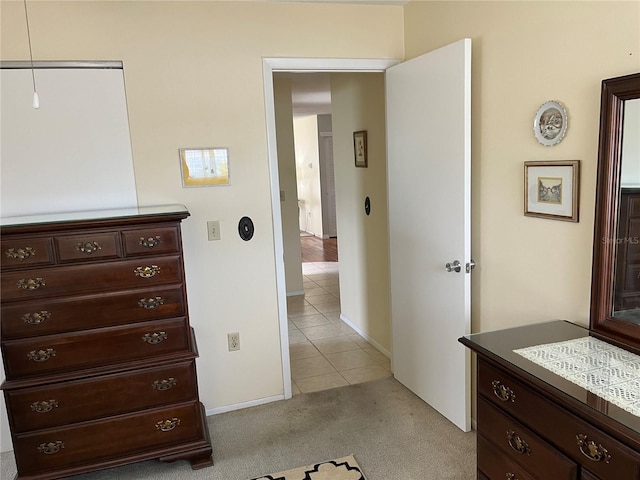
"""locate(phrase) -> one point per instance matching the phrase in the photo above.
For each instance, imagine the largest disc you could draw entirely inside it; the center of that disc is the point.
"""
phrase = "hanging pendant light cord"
(33, 75)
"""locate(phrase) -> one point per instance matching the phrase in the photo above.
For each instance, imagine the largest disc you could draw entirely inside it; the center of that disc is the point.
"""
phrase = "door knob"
(470, 266)
(456, 266)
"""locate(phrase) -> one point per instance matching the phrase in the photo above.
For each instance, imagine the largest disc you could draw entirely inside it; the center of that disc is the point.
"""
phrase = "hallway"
(325, 352)
(316, 249)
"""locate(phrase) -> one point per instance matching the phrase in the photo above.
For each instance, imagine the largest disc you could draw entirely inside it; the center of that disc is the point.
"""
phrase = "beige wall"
(524, 53)
(358, 104)
(288, 185)
(193, 73)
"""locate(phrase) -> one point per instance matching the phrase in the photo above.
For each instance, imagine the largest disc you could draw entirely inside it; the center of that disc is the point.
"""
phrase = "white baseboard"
(239, 406)
(380, 348)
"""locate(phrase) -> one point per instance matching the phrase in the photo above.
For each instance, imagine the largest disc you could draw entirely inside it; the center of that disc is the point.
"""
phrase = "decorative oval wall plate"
(550, 124)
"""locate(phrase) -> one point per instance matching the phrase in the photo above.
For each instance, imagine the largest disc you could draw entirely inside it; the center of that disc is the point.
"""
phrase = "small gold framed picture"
(552, 189)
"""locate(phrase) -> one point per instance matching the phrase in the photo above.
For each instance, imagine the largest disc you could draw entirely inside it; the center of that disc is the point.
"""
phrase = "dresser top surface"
(500, 345)
(79, 217)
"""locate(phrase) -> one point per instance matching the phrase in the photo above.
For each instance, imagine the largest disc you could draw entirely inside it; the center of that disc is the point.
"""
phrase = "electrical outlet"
(234, 341)
(213, 229)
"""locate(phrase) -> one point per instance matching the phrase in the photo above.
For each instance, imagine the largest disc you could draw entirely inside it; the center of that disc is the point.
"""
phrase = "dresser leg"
(202, 455)
(201, 462)
(199, 458)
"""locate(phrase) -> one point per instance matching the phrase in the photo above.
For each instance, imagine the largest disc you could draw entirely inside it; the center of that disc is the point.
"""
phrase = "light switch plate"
(213, 229)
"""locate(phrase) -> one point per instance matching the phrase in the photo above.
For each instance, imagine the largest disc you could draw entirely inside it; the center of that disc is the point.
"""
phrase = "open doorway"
(362, 244)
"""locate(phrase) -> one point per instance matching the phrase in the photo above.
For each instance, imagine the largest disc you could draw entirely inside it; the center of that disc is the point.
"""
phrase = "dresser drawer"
(632, 278)
(151, 241)
(634, 205)
(76, 279)
(88, 246)
(627, 301)
(588, 476)
(497, 466)
(76, 401)
(21, 251)
(58, 315)
(98, 347)
(574, 437)
(85, 443)
(522, 445)
(632, 240)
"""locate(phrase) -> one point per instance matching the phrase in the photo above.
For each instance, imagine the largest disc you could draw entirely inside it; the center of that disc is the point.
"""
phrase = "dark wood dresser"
(627, 282)
(98, 352)
(533, 424)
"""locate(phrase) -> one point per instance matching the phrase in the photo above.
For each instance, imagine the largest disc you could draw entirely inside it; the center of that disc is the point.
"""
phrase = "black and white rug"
(345, 468)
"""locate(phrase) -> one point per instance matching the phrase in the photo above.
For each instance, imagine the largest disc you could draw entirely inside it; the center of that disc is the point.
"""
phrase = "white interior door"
(330, 226)
(429, 179)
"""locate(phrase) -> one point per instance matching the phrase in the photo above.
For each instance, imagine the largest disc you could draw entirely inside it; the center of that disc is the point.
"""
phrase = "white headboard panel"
(74, 152)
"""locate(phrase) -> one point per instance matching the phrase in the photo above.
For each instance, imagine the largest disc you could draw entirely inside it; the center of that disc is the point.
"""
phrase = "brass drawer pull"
(51, 447)
(150, 303)
(45, 406)
(511, 476)
(31, 283)
(36, 318)
(503, 392)
(88, 247)
(154, 338)
(150, 242)
(593, 452)
(517, 443)
(166, 384)
(41, 355)
(148, 271)
(20, 253)
(168, 425)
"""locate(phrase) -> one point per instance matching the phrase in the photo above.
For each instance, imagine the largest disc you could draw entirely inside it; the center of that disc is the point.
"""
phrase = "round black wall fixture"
(245, 228)
(367, 206)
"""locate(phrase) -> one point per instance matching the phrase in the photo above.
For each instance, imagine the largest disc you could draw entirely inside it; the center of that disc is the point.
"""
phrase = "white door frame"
(306, 65)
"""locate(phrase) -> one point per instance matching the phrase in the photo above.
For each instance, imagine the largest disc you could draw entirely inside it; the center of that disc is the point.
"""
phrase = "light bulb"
(36, 100)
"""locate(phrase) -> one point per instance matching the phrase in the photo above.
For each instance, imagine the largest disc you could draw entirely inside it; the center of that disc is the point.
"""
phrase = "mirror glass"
(626, 301)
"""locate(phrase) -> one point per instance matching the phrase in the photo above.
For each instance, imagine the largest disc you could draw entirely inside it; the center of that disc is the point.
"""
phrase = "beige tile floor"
(325, 352)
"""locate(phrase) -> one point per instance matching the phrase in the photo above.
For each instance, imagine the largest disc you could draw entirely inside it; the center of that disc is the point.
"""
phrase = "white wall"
(193, 73)
(305, 130)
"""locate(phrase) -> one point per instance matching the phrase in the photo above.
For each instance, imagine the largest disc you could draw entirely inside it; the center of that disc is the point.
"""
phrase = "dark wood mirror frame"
(614, 93)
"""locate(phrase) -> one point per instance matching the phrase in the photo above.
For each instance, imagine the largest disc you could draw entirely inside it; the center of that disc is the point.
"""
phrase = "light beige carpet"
(345, 468)
(393, 433)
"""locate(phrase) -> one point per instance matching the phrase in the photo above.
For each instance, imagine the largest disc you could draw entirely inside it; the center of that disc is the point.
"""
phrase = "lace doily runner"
(608, 371)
